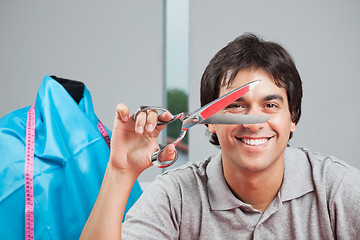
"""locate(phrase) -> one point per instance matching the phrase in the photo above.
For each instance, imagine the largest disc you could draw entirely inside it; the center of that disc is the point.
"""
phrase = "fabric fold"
(69, 164)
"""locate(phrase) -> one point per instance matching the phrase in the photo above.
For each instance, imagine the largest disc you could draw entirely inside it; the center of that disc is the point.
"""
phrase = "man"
(255, 188)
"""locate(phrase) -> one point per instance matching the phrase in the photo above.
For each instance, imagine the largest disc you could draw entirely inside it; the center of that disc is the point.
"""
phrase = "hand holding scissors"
(206, 115)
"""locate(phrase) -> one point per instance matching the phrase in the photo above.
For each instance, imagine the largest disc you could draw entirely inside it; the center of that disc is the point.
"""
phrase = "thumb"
(168, 154)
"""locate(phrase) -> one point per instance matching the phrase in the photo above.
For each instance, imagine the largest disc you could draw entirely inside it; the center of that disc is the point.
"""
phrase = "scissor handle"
(161, 109)
(155, 158)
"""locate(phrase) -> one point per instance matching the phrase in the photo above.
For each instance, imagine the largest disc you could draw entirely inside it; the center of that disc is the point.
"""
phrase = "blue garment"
(70, 161)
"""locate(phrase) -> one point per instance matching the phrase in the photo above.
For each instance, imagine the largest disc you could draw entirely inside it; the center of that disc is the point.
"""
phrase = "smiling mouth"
(254, 141)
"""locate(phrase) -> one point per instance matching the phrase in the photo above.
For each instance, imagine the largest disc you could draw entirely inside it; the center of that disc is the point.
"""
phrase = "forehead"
(267, 85)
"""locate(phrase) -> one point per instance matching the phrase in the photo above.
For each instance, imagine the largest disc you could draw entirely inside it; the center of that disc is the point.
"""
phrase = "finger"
(122, 112)
(140, 122)
(168, 154)
(151, 121)
(165, 116)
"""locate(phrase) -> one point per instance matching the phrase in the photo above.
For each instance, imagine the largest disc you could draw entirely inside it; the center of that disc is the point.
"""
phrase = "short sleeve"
(156, 214)
(345, 206)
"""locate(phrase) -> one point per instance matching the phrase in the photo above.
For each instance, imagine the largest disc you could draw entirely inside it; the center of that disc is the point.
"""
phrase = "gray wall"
(116, 48)
(323, 37)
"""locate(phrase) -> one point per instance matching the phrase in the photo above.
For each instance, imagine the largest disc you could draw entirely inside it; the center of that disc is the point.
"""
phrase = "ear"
(212, 128)
(292, 127)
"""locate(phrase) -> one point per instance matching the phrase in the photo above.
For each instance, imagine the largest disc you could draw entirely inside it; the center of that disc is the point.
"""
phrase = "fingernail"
(125, 118)
(163, 115)
(172, 149)
(139, 129)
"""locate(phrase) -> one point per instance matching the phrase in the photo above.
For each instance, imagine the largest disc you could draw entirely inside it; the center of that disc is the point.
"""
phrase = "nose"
(254, 127)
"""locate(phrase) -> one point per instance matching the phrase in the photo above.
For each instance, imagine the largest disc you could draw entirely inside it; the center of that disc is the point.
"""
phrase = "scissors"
(206, 115)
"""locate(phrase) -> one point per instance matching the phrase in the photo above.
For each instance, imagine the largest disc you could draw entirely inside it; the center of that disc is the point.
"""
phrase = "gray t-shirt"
(319, 199)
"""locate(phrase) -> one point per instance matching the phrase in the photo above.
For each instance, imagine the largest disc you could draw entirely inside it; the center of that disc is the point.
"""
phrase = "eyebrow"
(273, 97)
(266, 98)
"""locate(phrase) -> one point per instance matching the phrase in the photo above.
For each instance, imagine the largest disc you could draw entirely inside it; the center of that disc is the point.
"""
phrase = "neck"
(258, 189)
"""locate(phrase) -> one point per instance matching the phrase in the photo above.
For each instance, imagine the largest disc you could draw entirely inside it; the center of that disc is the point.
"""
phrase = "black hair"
(250, 51)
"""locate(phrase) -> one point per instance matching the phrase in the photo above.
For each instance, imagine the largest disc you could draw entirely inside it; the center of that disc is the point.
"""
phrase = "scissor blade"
(218, 104)
(235, 119)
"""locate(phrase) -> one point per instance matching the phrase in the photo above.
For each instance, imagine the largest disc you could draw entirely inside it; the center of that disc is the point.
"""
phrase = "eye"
(234, 105)
(271, 106)
(235, 108)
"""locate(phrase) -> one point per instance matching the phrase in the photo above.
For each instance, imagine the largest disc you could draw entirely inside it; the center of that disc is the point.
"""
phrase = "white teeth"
(254, 142)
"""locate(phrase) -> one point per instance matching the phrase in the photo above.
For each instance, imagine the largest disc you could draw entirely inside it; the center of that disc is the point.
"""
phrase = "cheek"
(222, 131)
(282, 124)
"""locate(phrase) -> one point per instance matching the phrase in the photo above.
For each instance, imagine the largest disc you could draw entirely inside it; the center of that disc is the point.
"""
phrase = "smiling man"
(253, 154)
(255, 188)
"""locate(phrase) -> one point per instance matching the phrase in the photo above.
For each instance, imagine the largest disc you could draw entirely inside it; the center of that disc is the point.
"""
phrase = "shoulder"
(197, 169)
(321, 166)
(171, 192)
(338, 183)
(332, 173)
(331, 167)
(169, 198)
(15, 120)
(187, 177)
(179, 185)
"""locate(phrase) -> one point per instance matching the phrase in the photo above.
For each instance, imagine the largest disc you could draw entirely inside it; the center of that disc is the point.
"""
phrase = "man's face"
(255, 147)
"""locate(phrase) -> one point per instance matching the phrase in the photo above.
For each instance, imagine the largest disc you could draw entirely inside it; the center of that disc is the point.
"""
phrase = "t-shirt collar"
(297, 181)
(220, 195)
(297, 175)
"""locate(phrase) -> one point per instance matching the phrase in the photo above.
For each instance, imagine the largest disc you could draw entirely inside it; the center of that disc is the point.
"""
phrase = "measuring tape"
(104, 133)
(29, 167)
(28, 173)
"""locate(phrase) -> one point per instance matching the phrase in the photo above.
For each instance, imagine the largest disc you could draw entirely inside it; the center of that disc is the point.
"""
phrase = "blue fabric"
(70, 161)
